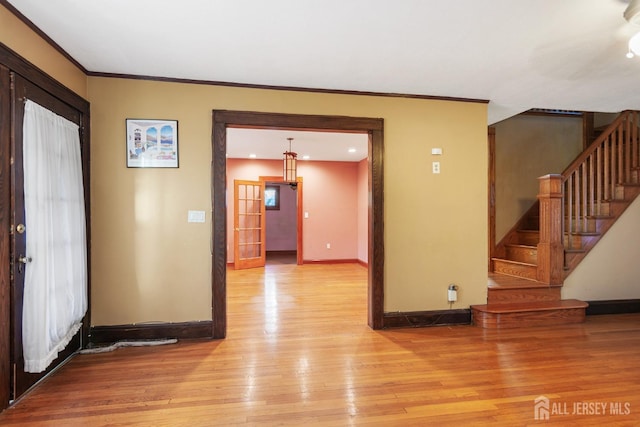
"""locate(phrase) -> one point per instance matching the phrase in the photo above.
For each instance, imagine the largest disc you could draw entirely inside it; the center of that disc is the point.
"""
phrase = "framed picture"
(152, 143)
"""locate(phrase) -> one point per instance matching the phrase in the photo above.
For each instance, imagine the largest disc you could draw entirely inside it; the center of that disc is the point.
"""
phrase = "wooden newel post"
(550, 247)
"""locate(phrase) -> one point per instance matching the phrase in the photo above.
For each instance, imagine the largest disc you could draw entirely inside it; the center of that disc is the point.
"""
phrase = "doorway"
(372, 127)
(292, 210)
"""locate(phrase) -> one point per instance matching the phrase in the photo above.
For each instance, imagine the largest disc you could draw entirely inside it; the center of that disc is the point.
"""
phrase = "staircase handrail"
(613, 126)
(593, 178)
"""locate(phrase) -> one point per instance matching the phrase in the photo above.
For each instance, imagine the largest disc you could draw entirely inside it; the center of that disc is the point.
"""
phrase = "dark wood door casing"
(24, 90)
(16, 70)
(373, 127)
(5, 242)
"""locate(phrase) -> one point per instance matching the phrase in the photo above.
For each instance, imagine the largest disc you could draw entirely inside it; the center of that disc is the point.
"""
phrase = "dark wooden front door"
(21, 381)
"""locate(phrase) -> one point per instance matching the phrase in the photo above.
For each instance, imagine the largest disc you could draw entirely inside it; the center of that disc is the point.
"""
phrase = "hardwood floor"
(299, 352)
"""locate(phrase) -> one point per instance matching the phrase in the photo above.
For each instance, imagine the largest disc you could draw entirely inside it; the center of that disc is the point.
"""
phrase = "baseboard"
(315, 261)
(294, 252)
(415, 319)
(621, 306)
(331, 261)
(184, 330)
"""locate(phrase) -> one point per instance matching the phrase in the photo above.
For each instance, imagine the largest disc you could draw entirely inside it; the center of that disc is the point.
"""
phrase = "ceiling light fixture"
(632, 15)
(632, 12)
(289, 171)
(634, 46)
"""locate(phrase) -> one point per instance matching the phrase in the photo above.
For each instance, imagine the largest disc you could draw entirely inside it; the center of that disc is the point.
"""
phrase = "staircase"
(573, 212)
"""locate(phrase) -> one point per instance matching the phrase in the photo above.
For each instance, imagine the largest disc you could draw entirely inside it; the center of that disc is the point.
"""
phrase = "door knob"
(24, 259)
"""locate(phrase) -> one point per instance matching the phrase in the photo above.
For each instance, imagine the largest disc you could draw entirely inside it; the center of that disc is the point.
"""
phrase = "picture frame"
(152, 143)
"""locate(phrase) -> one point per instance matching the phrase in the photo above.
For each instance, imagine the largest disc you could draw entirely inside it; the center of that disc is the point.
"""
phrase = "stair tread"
(519, 245)
(575, 251)
(514, 262)
(502, 281)
(513, 307)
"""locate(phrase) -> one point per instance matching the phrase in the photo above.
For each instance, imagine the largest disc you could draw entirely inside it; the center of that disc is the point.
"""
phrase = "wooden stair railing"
(576, 208)
(599, 185)
(550, 247)
(572, 213)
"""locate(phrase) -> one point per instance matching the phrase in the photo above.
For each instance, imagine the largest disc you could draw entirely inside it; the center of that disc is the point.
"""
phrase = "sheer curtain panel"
(55, 288)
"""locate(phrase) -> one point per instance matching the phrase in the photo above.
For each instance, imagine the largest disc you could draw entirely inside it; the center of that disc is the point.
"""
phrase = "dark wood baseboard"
(184, 330)
(293, 252)
(364, 264)
(415, 319)
(613, 307)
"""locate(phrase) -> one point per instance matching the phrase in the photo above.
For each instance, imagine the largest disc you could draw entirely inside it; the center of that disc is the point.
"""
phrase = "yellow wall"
(18, 37)
(527, 147)
(149, 264)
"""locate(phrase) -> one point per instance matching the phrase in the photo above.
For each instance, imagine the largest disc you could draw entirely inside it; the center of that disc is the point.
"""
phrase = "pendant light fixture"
(289, 172)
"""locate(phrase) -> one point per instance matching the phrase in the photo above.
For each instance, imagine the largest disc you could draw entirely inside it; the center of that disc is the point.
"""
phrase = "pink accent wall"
(331, 197)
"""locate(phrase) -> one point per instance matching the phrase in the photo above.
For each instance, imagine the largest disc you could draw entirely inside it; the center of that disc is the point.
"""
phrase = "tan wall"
(149, 264)
(30, 46)
(603, 119)
(528, 147)
(611, 270)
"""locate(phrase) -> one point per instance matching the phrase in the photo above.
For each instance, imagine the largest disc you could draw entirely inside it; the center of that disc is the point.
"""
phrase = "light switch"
(195, 216)
(306, 214)
(436, 151)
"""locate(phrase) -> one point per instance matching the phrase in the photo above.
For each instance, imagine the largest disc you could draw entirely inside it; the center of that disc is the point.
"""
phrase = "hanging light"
(289, 172)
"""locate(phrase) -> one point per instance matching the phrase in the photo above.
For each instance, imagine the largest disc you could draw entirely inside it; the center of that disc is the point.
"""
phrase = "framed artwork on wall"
(152, 143)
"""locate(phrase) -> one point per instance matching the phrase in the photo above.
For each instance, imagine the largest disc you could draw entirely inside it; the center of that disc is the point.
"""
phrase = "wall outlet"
(452, 293)
(328, 245)
(435, 166)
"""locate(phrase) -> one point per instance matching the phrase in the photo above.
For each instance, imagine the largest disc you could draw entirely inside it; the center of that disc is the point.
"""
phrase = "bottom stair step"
(523, 314)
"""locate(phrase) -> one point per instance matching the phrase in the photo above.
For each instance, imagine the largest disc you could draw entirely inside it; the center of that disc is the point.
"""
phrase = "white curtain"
(55, 288)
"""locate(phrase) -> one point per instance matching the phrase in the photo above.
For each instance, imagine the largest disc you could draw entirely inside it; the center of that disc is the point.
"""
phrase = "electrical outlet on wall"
(435, 167)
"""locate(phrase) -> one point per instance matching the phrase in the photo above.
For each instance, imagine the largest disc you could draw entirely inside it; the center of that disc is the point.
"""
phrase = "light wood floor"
(299, 352)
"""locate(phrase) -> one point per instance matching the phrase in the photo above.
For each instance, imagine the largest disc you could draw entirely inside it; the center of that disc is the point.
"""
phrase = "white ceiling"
(271, 144)
(517, 54)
